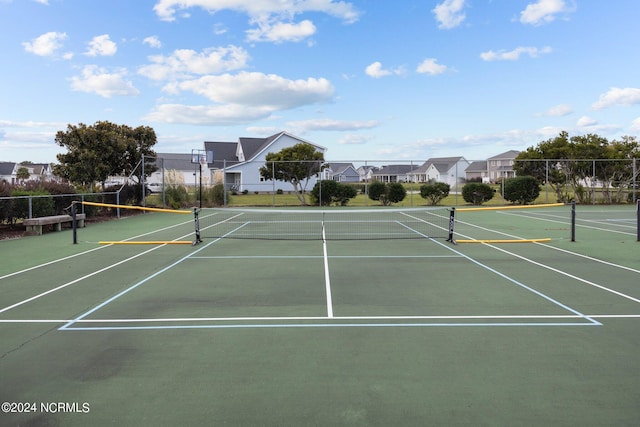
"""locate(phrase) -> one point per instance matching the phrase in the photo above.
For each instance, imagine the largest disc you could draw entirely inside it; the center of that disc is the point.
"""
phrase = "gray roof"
(339, 168)
(442, 164)
(6, 168)
(224, 153)
(479, 166)
(175, 161)
(511, 154)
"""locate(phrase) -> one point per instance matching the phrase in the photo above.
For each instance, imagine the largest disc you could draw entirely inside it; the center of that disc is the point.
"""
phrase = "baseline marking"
(510, 279)
(140, 282)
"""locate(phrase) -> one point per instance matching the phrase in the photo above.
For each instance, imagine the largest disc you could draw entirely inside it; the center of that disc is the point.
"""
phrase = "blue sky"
(368, 79)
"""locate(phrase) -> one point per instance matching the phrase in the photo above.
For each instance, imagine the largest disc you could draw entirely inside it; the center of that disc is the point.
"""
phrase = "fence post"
(573, 220)
(74, 224)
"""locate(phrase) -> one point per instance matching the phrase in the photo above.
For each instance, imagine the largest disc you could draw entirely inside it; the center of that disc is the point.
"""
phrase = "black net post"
(74, 223)
(452, 215)
(573, 220)
(196, 220)
(638, 220)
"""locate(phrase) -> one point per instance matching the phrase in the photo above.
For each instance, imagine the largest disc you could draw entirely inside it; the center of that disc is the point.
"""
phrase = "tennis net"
(328, 224)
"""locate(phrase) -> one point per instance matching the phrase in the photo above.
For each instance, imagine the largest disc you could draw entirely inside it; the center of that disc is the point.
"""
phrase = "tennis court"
(334, 317)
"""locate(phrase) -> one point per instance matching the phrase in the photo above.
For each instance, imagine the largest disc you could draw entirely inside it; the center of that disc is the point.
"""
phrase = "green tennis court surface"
(344, 331)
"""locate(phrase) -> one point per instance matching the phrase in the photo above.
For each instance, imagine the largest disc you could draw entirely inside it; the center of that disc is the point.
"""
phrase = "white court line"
(90, 250)
(564, 273)
(324, 318)
(35, 297)
(321, 256)
(327, 280)
(608, 230)
(508, 278)
(104, 303)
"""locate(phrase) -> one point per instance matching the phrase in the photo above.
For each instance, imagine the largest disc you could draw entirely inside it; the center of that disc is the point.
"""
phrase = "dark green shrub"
(177, 196)
(327, 192)
(40, 206)
(377, 190)
(435, 192)
(216, 195)
(521, 189)
(387, 193)
(396, 192)
(130, 194)
(477, 193)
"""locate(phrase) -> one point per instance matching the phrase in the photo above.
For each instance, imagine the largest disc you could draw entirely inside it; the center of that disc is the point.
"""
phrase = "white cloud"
(46, 44)
(544, 11)
(281, 32)
(331, 125)
(431, 66)
(258, 89)
(153, 41)
(449, 13)
(355, 139)
(586, 121)
(376, 71)
(240, 98)
(99, 81)
(618, 96)
(186, 62)
(101, 46)
(514, 55)
(211, 115)
(557, 111)
(261, 10)
(635, 125)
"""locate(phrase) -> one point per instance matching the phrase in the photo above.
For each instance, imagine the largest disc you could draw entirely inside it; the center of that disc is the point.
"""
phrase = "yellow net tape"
(139, 208)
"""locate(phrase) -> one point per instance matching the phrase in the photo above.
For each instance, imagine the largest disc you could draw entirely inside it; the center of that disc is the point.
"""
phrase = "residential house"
(176, 169)
(501, 166)
(238, 164)
(342, 172)
(366, 172)
(8, 172)
(449, 170)
(393, 173)
(36, 171)
(477, 171)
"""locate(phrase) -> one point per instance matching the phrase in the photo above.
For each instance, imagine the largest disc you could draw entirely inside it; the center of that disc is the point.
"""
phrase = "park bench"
(34, 225)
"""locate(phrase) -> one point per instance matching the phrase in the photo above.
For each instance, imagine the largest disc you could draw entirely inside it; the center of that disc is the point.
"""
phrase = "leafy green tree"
(567, 163)
(22, 174)
(296, 165)
(95, 152)
(546, 163)
(435, 192)
(328, 192)
(477, 193)
(387, 193)
(521, 189)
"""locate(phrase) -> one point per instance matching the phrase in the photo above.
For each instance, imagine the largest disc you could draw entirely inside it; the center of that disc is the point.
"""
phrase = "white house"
(366, 172)
(450, 170)
(36, 171)
(393, 173)
(238, 164)
(176, 169)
